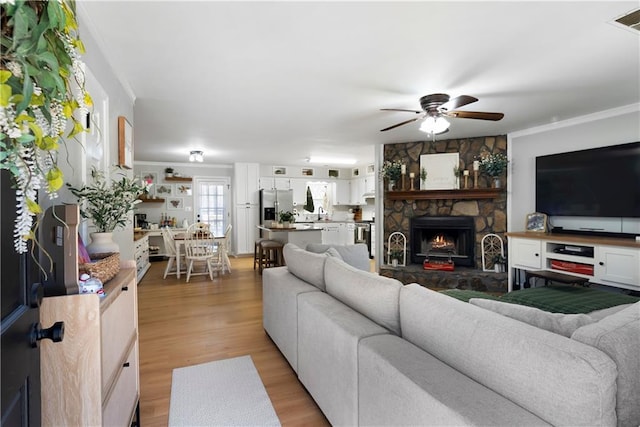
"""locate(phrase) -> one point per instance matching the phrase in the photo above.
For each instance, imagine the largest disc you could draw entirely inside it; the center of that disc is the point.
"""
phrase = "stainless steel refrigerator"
(274, 201)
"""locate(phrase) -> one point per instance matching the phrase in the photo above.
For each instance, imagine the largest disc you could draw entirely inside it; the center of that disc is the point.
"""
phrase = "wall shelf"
(146, 200)
(472, 193)
(178, 178)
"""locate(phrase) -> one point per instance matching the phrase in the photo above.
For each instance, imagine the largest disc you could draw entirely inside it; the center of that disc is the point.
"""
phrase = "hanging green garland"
(41, 89)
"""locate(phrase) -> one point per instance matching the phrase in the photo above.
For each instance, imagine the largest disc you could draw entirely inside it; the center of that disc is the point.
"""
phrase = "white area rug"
(222, 393)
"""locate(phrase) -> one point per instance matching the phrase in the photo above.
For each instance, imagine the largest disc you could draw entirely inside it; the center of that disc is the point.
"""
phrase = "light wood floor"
(182, 324)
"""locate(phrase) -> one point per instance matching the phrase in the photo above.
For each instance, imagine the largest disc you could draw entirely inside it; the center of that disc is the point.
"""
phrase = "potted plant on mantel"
(494, 165)
(391, 170)
(108, 206)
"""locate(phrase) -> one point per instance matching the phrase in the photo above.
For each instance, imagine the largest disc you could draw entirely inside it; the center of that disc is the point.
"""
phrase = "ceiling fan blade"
(400, 109)
(458, 102)
(480, 115)
(399, 124)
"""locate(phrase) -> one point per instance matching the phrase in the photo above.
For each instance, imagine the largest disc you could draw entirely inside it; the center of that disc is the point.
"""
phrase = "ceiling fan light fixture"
(196, 156)
(434, 125)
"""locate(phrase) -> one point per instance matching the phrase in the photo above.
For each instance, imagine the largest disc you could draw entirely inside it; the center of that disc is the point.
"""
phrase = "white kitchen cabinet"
(370, 184)
(331, 234)
(617, 265)
(245, 229)
(275, 183)
(246, 183)
(346, 233)
(299, 187)
(341, 192)
(141, 255)
(356, 191)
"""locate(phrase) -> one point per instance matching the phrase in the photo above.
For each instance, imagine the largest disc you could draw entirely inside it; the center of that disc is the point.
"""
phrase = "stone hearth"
(461, 278)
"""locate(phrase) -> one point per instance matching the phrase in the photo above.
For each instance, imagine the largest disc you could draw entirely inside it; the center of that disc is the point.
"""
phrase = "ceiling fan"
(436, 107)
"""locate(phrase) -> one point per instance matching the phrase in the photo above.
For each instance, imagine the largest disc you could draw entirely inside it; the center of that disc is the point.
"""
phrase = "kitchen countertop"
(137, 235)
(309, 226)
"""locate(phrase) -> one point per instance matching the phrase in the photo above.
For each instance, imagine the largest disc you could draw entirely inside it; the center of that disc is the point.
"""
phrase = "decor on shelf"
(107, 204)
(492, 248)
(440, 167)
(42, 86)
(423, 177)
(125, 143)
(494, 165)
(392, 170)
(168, 172)
(537, 222)
(397, 249)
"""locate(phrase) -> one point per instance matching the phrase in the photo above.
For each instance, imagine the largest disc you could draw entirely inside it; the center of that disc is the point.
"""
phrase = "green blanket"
(554, 298)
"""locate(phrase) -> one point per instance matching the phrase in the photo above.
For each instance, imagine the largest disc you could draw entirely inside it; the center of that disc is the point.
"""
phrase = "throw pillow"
(355, 255)
(563, 324)
(305, 265)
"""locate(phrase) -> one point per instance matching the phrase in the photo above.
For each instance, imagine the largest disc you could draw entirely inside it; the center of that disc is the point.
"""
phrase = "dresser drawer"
(120, 406)
(118, 329)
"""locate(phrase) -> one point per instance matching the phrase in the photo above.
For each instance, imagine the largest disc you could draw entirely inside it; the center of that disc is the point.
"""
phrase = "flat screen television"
(598, 182)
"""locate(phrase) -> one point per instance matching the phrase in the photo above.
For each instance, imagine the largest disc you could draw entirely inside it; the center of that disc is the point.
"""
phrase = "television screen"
(599, 182)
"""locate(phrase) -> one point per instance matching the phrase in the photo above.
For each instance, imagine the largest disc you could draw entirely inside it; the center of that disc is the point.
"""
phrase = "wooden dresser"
(91, 378)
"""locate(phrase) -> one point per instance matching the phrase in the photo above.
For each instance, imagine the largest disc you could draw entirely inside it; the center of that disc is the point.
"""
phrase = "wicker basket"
(102, 266)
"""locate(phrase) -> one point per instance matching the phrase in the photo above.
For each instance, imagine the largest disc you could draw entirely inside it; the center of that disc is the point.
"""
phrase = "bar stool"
(257, 252)
(271, 254)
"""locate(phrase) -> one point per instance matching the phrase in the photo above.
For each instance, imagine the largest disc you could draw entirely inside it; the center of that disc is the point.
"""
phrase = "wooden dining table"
(180, 238)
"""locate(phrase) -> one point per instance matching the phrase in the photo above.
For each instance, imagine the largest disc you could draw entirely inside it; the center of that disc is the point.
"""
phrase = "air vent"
(630, 20)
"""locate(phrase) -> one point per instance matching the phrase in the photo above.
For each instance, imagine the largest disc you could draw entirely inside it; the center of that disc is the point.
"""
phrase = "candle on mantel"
(403, 169)
(412, 175)
(476, 165)
(466, 173)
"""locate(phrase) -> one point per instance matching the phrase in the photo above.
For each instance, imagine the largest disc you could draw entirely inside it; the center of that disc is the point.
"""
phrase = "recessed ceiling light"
(332, 160)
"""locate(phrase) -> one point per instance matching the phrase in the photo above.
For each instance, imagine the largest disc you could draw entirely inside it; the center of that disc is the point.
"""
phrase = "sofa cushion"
(280, 290)
(400, 384)
(618, 335)
(328, 337)
(355, 255)
(563, 324)
(368, 293)
(556, 378)
(305, 265)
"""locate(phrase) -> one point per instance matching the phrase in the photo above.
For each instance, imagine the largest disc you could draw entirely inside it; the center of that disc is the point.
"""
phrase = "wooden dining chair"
(170, 249)
(225, 244)
(200, 248)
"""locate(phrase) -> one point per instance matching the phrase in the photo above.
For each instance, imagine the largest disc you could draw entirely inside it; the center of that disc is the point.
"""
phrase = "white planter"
(102, 243)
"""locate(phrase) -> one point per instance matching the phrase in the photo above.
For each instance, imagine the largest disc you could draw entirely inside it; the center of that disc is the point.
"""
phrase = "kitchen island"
(300, 234)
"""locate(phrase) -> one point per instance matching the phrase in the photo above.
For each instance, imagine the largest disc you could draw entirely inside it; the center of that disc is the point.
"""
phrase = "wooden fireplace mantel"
(472, 193)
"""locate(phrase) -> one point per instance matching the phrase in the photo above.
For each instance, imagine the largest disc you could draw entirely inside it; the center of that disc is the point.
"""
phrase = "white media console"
(603, 260)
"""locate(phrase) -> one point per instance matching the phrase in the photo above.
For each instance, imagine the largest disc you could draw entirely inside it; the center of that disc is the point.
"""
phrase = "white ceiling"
(276, 82)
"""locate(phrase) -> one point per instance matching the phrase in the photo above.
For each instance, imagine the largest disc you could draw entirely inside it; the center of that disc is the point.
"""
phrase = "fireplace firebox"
(443, 238)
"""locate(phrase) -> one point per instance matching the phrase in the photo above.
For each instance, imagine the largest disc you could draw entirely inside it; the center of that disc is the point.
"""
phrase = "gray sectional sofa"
(371, 351)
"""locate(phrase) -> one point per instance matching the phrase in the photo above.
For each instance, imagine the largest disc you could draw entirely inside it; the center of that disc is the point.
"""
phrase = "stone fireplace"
(481, 215)
(443, 238)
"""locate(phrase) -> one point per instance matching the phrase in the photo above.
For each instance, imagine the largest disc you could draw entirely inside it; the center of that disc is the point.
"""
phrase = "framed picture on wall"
(125, 143)
(183, 189)
(164, 190)
(537, 222)
(440, 171)
(175, 203)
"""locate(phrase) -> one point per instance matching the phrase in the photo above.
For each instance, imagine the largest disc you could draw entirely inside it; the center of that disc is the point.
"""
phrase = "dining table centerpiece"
(107, 204)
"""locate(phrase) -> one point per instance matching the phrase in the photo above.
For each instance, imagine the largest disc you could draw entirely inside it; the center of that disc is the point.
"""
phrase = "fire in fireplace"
(443, 237)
